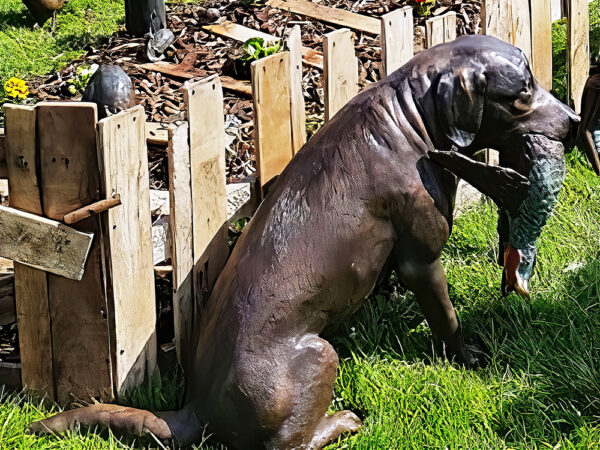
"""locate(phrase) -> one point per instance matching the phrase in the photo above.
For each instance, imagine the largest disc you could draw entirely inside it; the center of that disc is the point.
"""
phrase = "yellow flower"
(16, 88)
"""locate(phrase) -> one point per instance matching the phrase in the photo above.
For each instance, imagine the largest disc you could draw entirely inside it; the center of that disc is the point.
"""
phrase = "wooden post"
(296, 90)
(340, 71)
(578, 50)
(31, 285)
(204, 105)
(181, 218)
(273, 130)
(541, 42)
(138, 15)
(127, 235)
(509, 20)
(80, 310)
(440, 29)
(397, 38)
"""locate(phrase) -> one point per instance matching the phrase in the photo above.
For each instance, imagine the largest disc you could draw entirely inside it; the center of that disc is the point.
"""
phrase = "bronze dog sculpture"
(367, 190)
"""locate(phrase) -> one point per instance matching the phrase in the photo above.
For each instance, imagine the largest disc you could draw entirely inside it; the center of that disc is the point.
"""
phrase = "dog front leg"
(428, 282)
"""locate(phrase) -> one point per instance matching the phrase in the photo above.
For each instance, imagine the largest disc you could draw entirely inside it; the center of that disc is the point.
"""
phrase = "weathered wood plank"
(242, 33)
(298, 112)
(124, 170)
(331, 15)
(20, 157)
(157, 133)
(8, 313)
(340, 73)
(397, 30)
(434, 31)
(238, 32)
(578, 50)
(70, 179)
(273, 130)
(3, 168)
(182, 257)
(204, 105)
(43, 243)
(541, 42)
(440, 29)
(31, 285)
(509, 20)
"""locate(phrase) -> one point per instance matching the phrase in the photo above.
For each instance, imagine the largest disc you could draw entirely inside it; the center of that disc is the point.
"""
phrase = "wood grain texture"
(31, 285)
(182, 258)
(509, 20)
(330, 15)
(204, 106)
(23, 183)
(273, 130)
(578, 50)
(440, 29)
(157, 133)
(70, 179)
(43, 243)
(67, 135)
(397, 30)
(3, 168)
(298, 113)
(340, 73)
(541, 42)
(128, 244)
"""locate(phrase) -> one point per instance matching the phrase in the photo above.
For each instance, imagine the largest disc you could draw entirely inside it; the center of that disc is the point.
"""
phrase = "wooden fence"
(96, 337)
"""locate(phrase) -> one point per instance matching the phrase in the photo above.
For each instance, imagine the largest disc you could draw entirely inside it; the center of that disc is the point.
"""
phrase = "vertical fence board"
(541, 42)
(434, 31)
(509, 20)
(340, 71)
(204, 105)
(440, 29)
(128, 244)
(296, 90)
(397, 41)
(31, 285)
(273, 131)
(79, 310)
(180, 192)
(578, 50)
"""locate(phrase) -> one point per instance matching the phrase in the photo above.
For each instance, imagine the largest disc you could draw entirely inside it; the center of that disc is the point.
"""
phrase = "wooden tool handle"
(92, 209)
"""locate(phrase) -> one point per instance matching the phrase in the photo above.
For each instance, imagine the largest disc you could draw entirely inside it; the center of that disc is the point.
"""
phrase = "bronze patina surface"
(364, 194)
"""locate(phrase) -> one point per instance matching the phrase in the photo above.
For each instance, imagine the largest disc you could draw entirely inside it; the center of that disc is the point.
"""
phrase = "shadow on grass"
(14, 18)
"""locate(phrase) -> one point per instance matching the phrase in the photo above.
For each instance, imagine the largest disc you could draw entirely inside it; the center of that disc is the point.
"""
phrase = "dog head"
(478, 92)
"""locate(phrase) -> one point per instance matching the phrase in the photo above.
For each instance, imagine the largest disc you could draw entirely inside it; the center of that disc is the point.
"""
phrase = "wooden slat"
(31, 285)
(578, 50)
(79, 309)
(21, 156)
(509, 20)
(298, 112)
(434, 31)
(157, 133)
(182, 257)
(440, 29)
(238, 32)
(340, 73)
(42, 243)
(397, 40)
(330, 15)
(541, 42)
(124, 170)
(3, 168)
(242, 33)
(273, 131)
(204, 105)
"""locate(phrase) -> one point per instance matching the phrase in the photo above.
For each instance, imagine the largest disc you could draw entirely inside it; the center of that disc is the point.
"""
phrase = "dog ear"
(461, 97)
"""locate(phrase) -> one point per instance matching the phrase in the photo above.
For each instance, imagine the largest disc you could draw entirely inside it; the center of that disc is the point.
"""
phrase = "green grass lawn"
(27, 50)
(541, 388)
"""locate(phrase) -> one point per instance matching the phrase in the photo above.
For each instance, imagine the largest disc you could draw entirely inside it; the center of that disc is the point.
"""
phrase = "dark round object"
(212, 15)
(111, 89)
